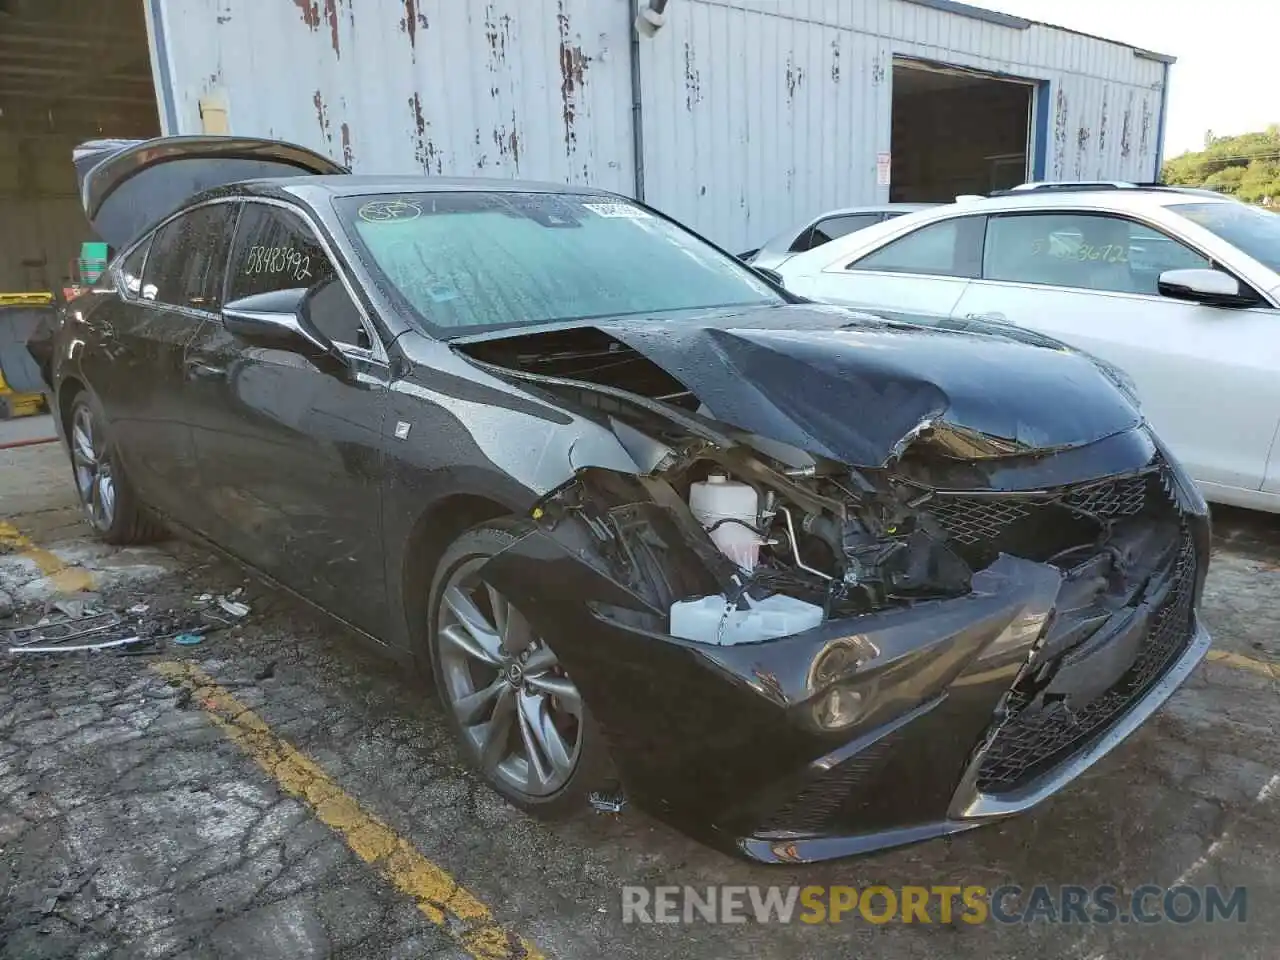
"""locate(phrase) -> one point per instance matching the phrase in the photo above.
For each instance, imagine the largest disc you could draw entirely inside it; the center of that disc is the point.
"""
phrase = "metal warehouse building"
(736, 116)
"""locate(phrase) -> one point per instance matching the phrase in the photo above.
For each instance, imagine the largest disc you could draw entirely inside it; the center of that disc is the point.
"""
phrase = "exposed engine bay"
(730, 536)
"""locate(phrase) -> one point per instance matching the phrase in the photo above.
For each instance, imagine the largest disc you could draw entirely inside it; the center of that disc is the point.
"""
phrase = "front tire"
(520, 719)
(106, 496)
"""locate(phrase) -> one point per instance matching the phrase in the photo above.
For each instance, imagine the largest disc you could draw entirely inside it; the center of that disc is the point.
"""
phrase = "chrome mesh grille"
(971, 520)
(1112, 498)
(1027, 744)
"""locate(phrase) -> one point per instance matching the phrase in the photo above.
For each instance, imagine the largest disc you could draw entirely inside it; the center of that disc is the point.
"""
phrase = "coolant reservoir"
(731, 509)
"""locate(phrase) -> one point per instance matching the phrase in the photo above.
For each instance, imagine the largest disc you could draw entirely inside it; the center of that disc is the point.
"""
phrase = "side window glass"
(824, 231)
(803, 242)
(187, 258)
(827, 230)
(1088, 251)
(1151, 253)
(161, 264)
(951, 248)
(275, 249)
(131, 268)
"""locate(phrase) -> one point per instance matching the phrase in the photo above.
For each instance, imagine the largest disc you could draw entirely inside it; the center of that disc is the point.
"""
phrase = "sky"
(1227, 50)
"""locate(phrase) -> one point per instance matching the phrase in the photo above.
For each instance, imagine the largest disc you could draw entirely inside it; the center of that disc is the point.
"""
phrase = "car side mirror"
(278, 319)
(1210, 287)
(773, 276)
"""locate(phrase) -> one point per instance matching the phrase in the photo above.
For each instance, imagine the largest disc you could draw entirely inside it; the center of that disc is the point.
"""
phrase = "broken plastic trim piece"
(62, 648)
(233, 607)
(63, 630)
(603, 802)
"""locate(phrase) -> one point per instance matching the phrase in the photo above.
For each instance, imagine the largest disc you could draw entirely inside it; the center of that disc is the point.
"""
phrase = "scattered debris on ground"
(79, 624)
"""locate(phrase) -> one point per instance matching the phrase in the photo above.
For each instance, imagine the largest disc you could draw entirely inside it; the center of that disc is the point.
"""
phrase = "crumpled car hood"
(858, 389)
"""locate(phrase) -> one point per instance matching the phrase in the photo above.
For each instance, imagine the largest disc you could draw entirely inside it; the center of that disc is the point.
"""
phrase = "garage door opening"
(69, 72)
(956, 132)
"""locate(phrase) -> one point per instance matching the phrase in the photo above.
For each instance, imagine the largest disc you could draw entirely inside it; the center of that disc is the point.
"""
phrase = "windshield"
(1250, 229)
(469, 262)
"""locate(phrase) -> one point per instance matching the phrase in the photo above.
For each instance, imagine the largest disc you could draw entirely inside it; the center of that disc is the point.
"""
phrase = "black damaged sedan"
(800, 581)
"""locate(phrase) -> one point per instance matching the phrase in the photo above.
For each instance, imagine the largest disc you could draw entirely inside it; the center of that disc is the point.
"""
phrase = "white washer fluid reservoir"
(712, 620)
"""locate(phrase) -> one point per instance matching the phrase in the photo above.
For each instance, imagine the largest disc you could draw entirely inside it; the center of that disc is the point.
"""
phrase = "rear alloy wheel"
(95, 475)
(105, 494)
(519, 715)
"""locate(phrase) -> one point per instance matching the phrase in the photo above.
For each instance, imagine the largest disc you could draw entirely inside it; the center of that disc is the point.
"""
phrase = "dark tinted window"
(1088, 251)
(824, 231)
(277, 250)
(187, 258)
(951, 248)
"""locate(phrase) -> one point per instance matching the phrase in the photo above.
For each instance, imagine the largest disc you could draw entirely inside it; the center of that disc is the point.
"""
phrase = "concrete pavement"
(153, 806)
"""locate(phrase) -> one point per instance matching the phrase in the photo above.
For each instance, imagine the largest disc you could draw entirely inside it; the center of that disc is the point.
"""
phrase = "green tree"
(1227, 180)
(1245, 166)
(1261, 181)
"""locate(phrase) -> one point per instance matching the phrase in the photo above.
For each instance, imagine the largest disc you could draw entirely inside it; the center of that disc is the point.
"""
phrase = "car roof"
(1106, 199)
(874, 208)
(348, 185)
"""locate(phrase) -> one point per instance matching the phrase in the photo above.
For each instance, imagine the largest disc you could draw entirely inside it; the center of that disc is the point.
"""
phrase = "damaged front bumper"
(970, 807)
(868, 731)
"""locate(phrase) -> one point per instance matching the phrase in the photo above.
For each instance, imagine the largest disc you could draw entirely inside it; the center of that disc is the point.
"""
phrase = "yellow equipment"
(13, 403)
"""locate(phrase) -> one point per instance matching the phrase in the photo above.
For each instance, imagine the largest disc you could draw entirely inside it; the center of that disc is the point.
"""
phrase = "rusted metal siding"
(742, 145)
(757, 115)
(499, 88)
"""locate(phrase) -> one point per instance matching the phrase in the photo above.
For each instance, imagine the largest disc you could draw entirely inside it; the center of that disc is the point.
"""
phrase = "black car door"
(289, 454)
(169, 285)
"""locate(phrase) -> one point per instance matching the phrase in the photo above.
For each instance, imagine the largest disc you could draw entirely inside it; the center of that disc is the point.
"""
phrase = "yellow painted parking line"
(441, 899)
(1241, 662)
(65, 579)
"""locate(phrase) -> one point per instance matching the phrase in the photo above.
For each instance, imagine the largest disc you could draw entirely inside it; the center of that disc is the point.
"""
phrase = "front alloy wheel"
(517, 708)
(520, 716)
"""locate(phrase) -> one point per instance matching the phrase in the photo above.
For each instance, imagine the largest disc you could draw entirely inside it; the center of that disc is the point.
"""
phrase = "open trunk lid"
(128, 185)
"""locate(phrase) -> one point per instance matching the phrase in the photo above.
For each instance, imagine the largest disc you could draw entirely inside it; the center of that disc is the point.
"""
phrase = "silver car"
(823, 229)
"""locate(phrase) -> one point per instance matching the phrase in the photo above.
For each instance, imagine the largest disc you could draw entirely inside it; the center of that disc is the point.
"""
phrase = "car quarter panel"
(453, 431)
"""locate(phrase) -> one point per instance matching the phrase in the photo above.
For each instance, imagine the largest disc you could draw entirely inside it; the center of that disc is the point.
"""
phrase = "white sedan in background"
(824, 228)
(1178, 288)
